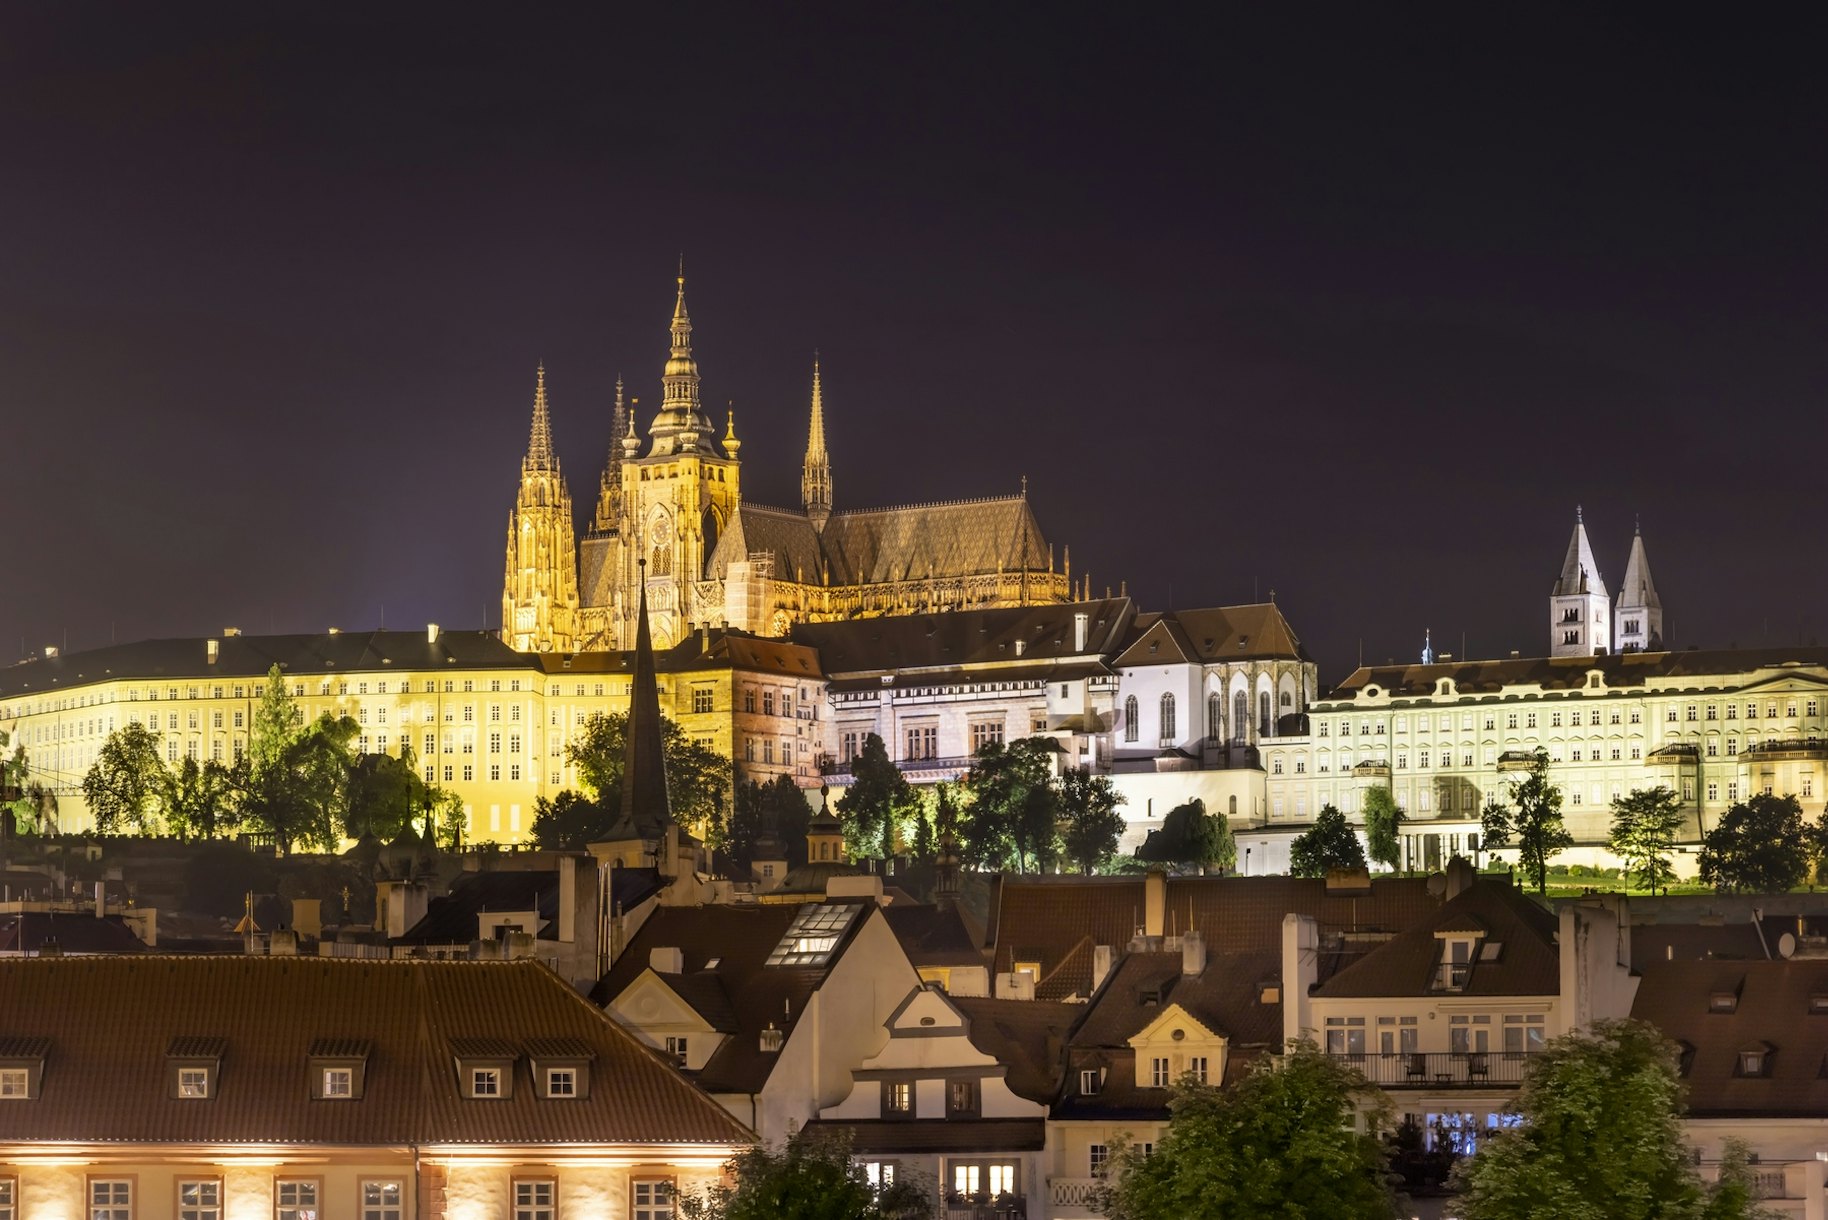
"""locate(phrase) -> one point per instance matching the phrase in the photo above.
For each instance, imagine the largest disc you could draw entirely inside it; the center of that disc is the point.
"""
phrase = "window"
(1523, 1033)
(193, 1082)
(563, 1082)
(768, 702)
(701, 698)
(923, 741)
(15, 1083)
(1131, 729)
(381, 1199)
(1396, 1035)
(1345, 1035)
(1167, 706)
(1098, 1157)
(677, 1046)
(1751, 1062)
(653, 1199)
(898, 1099)
(112, 1198)
(339, 1082)
(485, 1082)
(961, 1097)
(1090, 1080)
(1158, 1072)
(295, 1199)
(533, 1200)
(1197, 1066)
(200, 1200)
(985, 733)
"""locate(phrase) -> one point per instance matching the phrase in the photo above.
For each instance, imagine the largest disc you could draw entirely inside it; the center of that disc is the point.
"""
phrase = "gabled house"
(768, 1007)
(213, 1087)
(957, 1097)
(1753, 1040)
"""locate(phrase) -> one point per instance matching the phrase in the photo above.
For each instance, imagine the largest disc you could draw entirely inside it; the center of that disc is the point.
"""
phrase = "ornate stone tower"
(1638, 621)
(815, 475)
(1580, 612)
(676, 501)
(539, 594)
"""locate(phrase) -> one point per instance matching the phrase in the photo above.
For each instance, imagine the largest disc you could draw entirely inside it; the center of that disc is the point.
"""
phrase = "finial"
(1025, 487)
(1637, 524)
(1577, 516)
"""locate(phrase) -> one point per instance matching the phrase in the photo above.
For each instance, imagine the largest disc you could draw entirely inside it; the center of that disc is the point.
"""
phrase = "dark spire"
(644, 801)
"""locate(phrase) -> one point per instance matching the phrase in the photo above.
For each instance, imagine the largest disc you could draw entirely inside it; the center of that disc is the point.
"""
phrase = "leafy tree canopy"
(1328, 845)
(301, 798)
(203, 800)
(698, 778)
(1600, 1139)
(1532, 821)
(1645, 823)
(778, 806)
(1091, 824)
(1013, 818)
(1383, 822)
(1759, 846)
(125, 784)
(570, 821)
(876, 802)
(1284, 1143)
(1190, 835)
(812, 1177)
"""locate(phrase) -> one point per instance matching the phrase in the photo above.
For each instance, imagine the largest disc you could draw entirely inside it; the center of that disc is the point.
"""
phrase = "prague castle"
(669, 512)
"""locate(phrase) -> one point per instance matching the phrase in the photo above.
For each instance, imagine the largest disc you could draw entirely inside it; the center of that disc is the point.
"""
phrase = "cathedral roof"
(1579, 571)
(884, 545)
(1618, 670)
(1034, 641)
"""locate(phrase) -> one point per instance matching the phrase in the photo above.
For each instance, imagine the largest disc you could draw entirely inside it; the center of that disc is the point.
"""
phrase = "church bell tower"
(539, 595)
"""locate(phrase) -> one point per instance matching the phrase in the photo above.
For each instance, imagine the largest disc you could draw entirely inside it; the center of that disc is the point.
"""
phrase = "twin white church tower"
(1583, 619)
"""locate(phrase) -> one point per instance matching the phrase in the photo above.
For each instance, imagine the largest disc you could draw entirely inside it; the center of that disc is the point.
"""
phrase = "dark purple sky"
(1356, 306)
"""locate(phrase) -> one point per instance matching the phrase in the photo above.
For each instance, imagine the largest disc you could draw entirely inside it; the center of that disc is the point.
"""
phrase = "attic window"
(1154, 645)
(22, 1067)
(814, 935)
(1723, 1001)
(561, 1067)
(1149, 996)
(1818, 1004)
(338, 1069)
(192, 1066)
(1754, 1061)
(1491, 950)
(485, 1068)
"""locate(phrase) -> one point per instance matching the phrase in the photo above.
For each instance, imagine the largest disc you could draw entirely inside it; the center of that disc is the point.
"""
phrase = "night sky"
(1355, 304)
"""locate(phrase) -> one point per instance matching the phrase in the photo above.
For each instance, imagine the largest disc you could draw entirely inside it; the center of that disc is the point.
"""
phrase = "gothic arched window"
(1167, 718)
(1263, 712)
(1240, 715)
(1215, 717)
(1130, 727)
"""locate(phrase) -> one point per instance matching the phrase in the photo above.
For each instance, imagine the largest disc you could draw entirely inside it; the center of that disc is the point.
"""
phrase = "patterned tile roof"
(1776, 1006)
(1620, 670)
(109, 1022)
(1222, 633)
(1032, 641)
(1527, 964)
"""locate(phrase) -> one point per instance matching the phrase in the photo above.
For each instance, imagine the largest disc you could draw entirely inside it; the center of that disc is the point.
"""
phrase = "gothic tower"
(1638, 621)
(539, 594)
(676, 501)
(1580, 612)
(815, 475)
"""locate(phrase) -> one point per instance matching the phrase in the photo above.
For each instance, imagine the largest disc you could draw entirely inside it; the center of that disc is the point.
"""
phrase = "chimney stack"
(1080, 622)
(431, 633)
(1193, 954)
(213, 649)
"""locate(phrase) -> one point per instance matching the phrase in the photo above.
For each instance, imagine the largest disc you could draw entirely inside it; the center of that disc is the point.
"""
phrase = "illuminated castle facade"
(669, 513)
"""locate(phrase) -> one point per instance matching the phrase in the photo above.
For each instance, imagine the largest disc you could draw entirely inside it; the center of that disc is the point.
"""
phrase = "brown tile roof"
(1026, 1036)
(934, 935)
(961, 638)
(1528, 963)
(1774, 1007)
(109, 1022)
(1222, 633)
(1057, 920)
(1224, 997)
(1565, 673)
(27, 932)
(973, 1135)
(757, 995)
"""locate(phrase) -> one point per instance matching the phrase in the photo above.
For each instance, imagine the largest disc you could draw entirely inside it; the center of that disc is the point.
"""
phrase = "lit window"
(112, 1198)
(15, 1083)
(295, 1199)
(1158, 1072)
(339, 1082)
(485, 1082)
(193, 1082)
(653, 1199)
(381, 1199)
(814, 935)
(533, 1200)
(200, 1200)
(898, 1098)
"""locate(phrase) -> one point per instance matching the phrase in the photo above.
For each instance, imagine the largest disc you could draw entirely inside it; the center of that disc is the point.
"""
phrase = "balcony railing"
(1076, 1192)
(1452, 976)
(1453, 1069)
(1005, 1207)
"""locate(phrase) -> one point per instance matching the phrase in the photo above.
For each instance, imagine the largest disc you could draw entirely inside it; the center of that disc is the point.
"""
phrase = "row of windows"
(1167, 717)
(201, 1198)
(1576, 717)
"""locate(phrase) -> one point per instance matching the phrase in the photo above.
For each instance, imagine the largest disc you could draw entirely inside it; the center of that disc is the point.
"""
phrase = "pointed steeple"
(1638, 620)
(618, 424)
(539, 444)
(1579, 572)
(815, 475)
(680, 424)
(644, 798)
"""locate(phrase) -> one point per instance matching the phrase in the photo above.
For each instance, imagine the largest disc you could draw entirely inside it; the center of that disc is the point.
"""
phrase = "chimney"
(667, 961)
(568, 899)
(101, 899)
(1155, 902)
(1193, 954)
(229, 633)
(1459, 877)
(336, 631)
(1021, 645)
(1300, 971)
(308, 916)
(431, 633)
(213, 650)
(283, 943)
(1101, 965)
(50, 652)
(1080, 621)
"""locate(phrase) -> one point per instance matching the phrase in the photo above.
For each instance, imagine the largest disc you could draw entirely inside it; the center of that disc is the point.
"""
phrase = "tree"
(278, 722)
(811, 1177)
(125, 784)
(1330, 844)
(1645, 823)
(778, 806)
(201, 799)
(1283, 1142)
(698, 778)
(1758, 846)
(1383, 819)
(301, 796)
(1600, 1138)
(1013, 820)
(878, 798)
(1190, 835)
(386, 795)
(16, 802)
(1532, 821)
(570, 821)
(1092, 825)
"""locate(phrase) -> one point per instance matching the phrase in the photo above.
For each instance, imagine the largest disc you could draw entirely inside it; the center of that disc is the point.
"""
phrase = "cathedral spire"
(539, 444)
(644, 797)
(680, 425)
(815, 476)
(1638, 618)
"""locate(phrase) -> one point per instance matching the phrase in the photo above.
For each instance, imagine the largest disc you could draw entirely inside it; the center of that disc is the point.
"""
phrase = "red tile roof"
(1527, 964)
(110, 1021)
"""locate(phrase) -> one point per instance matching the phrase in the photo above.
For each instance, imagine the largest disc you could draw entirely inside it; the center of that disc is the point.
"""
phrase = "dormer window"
(1090, 1081)
(561, 1067)
(485, 1067)
(1754, 1060)
(1818, 1004)
(22, 1067)
(561, 1082)
(15, 1084)
(192, 1067)
(485, 1082)
(338, 1068)
(1723, 1002)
